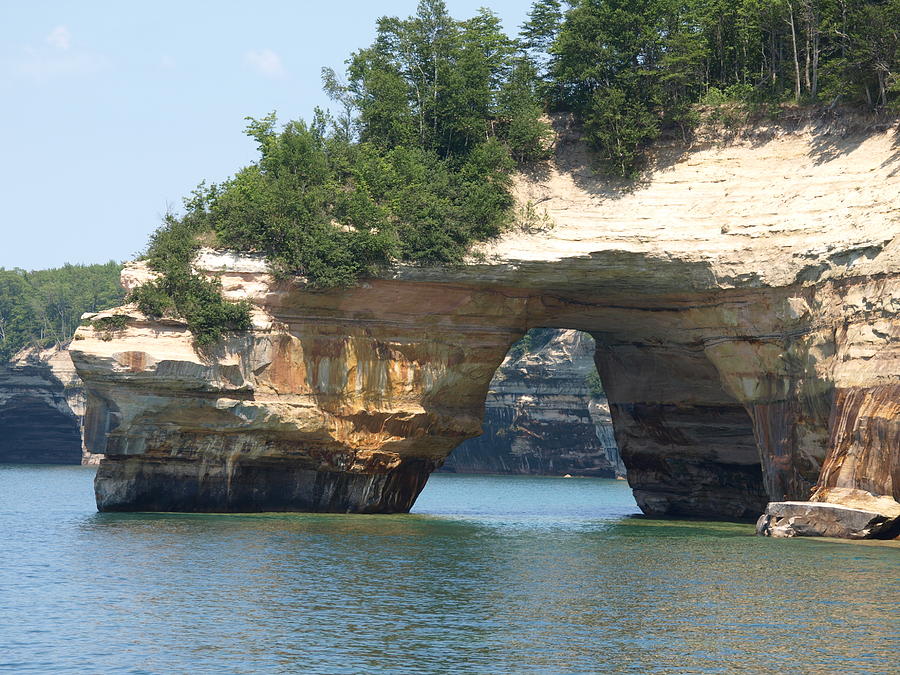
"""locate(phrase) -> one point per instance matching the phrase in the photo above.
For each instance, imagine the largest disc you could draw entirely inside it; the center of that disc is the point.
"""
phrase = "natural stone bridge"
(744, 302)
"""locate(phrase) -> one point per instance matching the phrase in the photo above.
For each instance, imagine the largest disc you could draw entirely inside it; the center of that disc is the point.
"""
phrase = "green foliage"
(520, 120)
(112, 323)
(533, 341)
(436, 114)
(199, 301)
(529, 218)
(619, 128)
(520, 347)
(108, 326)
(444, 86)
(333, 211)
(594, 385)
(44, 307)
(606, 63)
(632, 68)
(179, 291)
(735, 93)
(540, 30)
(302, 207)
(154, 300)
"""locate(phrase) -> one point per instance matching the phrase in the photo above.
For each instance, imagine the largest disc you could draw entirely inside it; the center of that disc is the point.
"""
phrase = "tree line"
(44, 307)
(631, 68)
(416, 165)
(434, 116)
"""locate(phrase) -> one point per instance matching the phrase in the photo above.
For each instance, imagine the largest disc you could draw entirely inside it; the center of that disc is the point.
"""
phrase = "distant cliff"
(540, 414)
(42, 409)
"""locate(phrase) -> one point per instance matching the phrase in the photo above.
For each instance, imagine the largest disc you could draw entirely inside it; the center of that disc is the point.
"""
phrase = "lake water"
(489, 575)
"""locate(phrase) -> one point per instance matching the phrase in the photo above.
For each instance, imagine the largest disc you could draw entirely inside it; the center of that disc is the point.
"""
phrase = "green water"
(489, 575)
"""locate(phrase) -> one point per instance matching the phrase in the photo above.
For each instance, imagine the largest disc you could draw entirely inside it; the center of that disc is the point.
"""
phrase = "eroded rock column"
(846, 415)
(788, 403)
(687, 445)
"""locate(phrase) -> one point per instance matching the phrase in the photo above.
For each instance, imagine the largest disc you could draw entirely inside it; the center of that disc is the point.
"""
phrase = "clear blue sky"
(113, 111)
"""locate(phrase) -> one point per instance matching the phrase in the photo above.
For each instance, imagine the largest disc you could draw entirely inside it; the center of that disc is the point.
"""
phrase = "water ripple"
(490, 575)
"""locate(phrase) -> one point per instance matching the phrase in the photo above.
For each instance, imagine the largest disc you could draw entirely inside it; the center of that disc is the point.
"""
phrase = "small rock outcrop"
(744, 300)
(541, 416)
(41, 409)
(850, 514)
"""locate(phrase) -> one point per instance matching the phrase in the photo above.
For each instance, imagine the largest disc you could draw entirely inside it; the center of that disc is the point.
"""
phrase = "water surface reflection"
(491, 575)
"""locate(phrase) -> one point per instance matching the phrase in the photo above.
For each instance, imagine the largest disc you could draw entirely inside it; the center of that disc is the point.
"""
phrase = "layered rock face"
(743, 300)
(41, 409)
(541, 418)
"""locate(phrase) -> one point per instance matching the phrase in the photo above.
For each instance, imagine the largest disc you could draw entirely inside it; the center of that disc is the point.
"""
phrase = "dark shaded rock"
(687, 444)
(41, 409)
(228, 485)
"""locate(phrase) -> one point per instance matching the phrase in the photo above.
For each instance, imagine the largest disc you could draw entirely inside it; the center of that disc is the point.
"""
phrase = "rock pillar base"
(210, 486)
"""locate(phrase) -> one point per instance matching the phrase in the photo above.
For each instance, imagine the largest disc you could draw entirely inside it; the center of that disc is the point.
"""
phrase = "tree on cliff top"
(629, 69)
(436, 114)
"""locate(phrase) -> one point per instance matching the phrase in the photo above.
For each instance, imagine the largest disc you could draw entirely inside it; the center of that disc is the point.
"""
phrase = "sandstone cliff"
(540, 416)
(41, 409)
(743, 298)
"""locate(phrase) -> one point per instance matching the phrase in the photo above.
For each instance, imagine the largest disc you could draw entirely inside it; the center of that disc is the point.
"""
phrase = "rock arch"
(744, 301)
(330, 407)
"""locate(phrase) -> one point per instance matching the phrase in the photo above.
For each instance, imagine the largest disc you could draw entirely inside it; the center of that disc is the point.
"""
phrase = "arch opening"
(545, 414)
(566, 401)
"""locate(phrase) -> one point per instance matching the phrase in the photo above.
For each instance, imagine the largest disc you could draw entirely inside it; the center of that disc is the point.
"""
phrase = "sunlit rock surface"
(744, 299)
(540, 416)
(41, 409)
